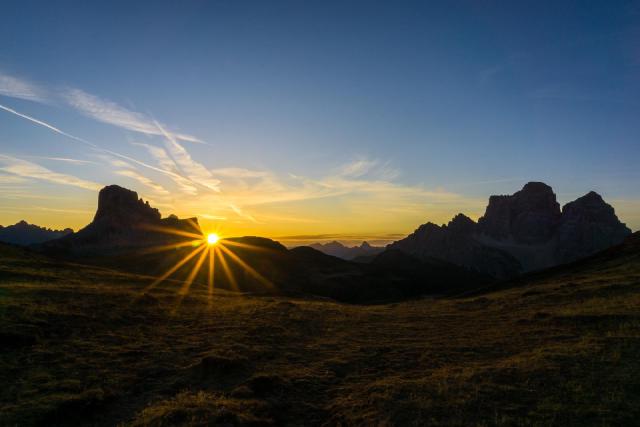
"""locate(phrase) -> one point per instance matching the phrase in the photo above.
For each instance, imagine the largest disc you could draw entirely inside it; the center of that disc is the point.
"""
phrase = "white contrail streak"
(90, 144)
(47, 125)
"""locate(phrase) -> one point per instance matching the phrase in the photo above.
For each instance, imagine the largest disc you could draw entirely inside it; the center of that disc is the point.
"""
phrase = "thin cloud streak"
(194, 170)
(19, 88)
(64, 160)
(85, 142)
(28, 169)
(47, 125)
(89, 105)
(109, 112)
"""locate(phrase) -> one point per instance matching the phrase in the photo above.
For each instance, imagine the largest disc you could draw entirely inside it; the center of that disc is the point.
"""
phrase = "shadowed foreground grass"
(80, 347)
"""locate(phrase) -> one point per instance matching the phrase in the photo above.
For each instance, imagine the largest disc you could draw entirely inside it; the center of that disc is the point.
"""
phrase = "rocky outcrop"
(119, 205)
(123, 222)
(522, 232)
(588, 225)
(25, 234)
(529, 216)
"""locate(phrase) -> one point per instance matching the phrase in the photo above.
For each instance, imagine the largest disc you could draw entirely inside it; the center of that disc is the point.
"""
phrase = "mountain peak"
(461, 224)
(536, 187)
(121, 204)
(527, 216)
(123, 221)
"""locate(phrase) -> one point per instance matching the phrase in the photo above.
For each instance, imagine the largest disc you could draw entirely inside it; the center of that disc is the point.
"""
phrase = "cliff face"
(123, 221)
(588, 225)
(118, 205)
(529, 216)
(521, 232)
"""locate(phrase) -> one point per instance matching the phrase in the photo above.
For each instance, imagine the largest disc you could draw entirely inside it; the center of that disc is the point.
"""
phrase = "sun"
(212, 238)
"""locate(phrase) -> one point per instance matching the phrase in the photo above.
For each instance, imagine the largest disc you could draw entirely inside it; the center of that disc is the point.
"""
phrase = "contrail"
(91, 144)
(47, 125)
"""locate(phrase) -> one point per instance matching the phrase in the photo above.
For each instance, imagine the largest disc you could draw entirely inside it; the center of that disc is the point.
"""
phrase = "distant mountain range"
(25, 234)
(125, 230)
(519, 233)
(339, 250)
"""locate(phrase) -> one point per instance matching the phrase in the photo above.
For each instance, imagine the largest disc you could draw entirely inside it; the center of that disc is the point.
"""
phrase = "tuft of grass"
(201, 408)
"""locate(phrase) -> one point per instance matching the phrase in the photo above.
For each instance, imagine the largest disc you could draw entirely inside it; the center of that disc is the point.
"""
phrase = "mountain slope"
(84, 346)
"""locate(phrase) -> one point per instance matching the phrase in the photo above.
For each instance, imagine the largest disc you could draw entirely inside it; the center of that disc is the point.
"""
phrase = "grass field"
(81, 346)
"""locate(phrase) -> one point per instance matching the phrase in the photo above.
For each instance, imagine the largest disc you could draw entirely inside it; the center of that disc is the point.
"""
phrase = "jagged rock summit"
(528, 216)
(122, 221)
(24, 234)
(118, 204)
(522, 232)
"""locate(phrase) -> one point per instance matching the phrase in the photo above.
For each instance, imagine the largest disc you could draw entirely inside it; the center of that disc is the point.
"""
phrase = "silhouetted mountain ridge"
(522, 232)
(123, 222)
(24, 234)
(339, 250)
(126, 230)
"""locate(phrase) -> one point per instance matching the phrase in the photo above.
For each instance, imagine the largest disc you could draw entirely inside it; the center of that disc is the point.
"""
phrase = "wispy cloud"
(88, 143)
(239, 173)
(192, 169)
(357, 168)
(133, 174)
(22, 89)
(64, 160)
(165, 163)
(26, 169)
(109, 112)
(123, 168)
(89, 105)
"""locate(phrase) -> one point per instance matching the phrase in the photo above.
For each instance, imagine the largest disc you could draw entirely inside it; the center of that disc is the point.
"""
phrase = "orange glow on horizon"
(207, 246)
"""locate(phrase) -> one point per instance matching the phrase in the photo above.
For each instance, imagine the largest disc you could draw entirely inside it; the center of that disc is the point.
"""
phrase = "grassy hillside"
(80, 346)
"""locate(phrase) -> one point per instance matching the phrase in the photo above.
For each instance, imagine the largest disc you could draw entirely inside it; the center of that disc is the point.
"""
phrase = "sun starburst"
(210, 250)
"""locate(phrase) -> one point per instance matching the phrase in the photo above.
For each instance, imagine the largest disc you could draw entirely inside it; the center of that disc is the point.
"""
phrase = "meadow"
(83, 346)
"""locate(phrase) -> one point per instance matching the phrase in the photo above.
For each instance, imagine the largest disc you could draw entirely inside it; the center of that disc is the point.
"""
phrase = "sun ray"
(187, 284)
(184, 290)
(173, 269)
(168, 230)
(210, 277)
(227, 270)
(247, 267)
(248, 246)
(193, 223)
(162, 248)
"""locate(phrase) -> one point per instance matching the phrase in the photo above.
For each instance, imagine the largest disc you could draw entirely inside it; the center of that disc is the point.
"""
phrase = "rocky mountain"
(24, 234)
(123, 222)
(125, 228)
(339, 250)
(522, 232)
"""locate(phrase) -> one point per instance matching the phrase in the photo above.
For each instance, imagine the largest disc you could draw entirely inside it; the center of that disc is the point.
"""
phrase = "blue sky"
(282, 118)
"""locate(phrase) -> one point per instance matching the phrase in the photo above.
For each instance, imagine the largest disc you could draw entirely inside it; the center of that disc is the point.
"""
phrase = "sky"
(310, 121)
